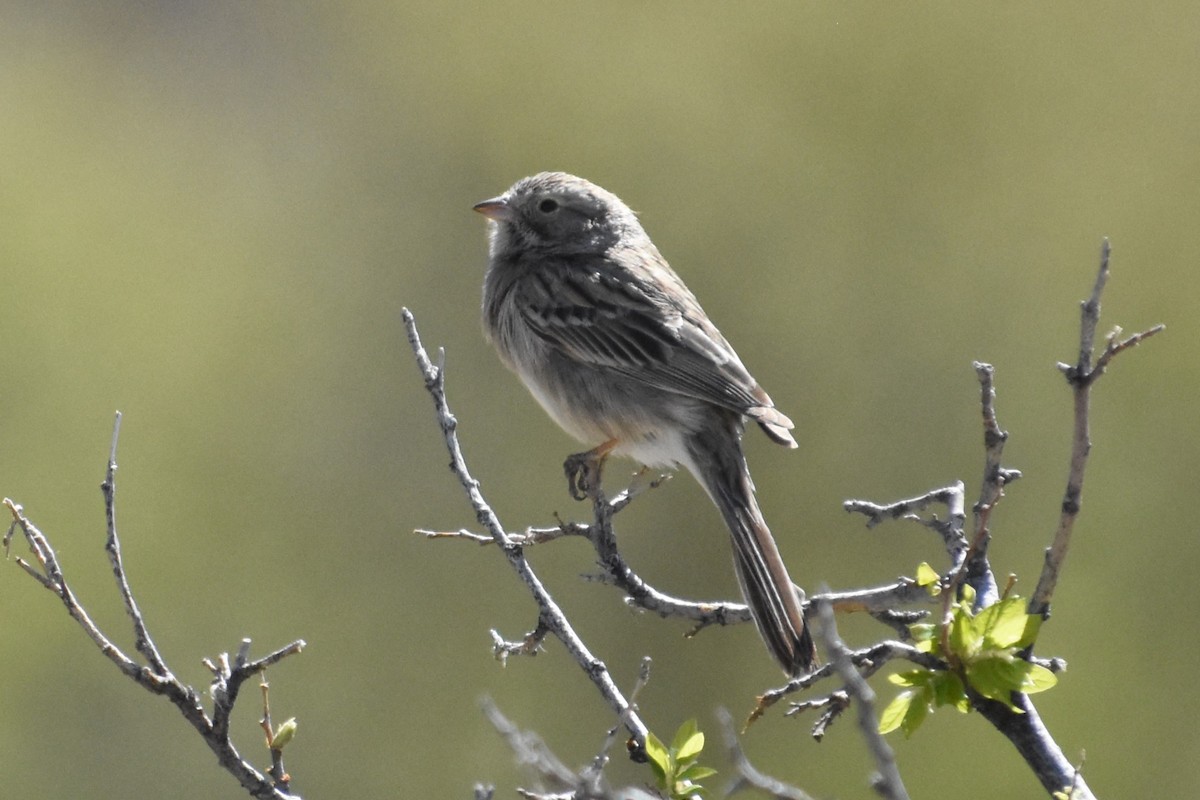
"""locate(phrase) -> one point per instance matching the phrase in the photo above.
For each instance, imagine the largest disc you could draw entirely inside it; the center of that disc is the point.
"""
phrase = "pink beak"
(497, 209)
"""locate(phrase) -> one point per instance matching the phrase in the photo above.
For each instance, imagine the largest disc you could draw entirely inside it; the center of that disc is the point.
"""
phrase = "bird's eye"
(548, 206)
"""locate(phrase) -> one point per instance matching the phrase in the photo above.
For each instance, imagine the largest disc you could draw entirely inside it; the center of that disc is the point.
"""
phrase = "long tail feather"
(762, 575)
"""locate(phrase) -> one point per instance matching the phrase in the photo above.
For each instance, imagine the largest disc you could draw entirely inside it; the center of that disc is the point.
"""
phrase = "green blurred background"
(212, 214)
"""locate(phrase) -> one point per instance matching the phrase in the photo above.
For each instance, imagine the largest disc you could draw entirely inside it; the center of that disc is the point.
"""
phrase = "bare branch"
(888, 782)
(112, 545)
(950, 529)
(977, 573)
(831, 705)
(1024, 728)
(868, 659)
(879, 601)
(549, 614)
(560, 781)
(909, 508)
(615, 571)
(1114, 345)
(529, 748)
(51, 577)
(529, 645)
(592, 774)
(640, 594)
(1080, 376)
(748, 776)
(155, 676)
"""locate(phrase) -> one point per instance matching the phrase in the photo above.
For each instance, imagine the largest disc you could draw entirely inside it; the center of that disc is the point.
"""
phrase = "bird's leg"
(583, 470)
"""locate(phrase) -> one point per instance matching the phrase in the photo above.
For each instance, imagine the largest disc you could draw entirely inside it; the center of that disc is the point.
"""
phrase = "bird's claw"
(583, 474)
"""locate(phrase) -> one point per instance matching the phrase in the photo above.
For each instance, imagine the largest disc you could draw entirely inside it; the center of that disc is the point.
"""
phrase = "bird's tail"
(766, 586)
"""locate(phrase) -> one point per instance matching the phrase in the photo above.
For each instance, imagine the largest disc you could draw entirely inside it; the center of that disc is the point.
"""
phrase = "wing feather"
(644, 324)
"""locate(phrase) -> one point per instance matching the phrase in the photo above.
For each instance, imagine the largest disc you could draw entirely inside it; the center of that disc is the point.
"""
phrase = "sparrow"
(580, 304)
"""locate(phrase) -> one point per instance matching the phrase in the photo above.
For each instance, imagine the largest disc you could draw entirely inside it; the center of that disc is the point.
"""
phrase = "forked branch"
(550, 617)
(154, 675)
(1081, 376)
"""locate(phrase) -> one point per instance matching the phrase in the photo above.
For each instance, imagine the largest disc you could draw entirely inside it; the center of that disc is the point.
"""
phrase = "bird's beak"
(496, 209)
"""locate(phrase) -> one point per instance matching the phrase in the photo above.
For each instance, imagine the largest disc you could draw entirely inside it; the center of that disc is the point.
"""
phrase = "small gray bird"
(579, 303)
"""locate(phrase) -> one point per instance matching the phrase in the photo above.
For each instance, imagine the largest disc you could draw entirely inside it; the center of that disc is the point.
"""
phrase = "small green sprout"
(675, 767)
(982, 650)
(283, 734)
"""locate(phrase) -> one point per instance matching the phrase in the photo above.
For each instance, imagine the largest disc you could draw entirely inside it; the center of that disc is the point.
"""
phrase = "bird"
(581, 305)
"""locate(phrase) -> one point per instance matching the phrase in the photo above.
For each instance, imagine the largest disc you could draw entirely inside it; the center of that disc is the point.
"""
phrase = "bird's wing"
(640, 320)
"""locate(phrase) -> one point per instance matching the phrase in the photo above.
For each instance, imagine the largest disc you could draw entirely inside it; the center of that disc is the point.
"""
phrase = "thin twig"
(991, 489)
(831, 706)
(528, 747)
(909, 508)
(1080, 376)
(748, 776)
(155, 676)
(868, 658)
(112, 545)
(887, 782)
(950, 529)
(592, 775)
(549, 614)
(879, 601)
(532, 752)
(51, 577)
(529, 645)
(277, 771)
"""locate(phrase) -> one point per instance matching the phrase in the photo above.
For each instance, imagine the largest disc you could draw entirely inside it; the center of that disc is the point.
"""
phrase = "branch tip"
(155, 677)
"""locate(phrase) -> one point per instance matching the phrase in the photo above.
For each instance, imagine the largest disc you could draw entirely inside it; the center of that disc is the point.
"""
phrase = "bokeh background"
(212, 214)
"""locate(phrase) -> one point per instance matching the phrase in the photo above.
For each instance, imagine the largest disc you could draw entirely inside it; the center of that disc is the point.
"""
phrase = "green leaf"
(921, 631)
(696, 773)
(996, 678)
(963, 641)
(924, 636)
(688, 741)
(686, 731)
(948, 691)
(1002, 624)
(917, 711)
(1038, 679)
(913, 677)
(927, 576)
(1033, 624)
(660, 759)
(894, 714)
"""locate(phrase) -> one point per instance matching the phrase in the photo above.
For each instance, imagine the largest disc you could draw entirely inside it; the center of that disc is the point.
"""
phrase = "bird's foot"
(583, 471)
